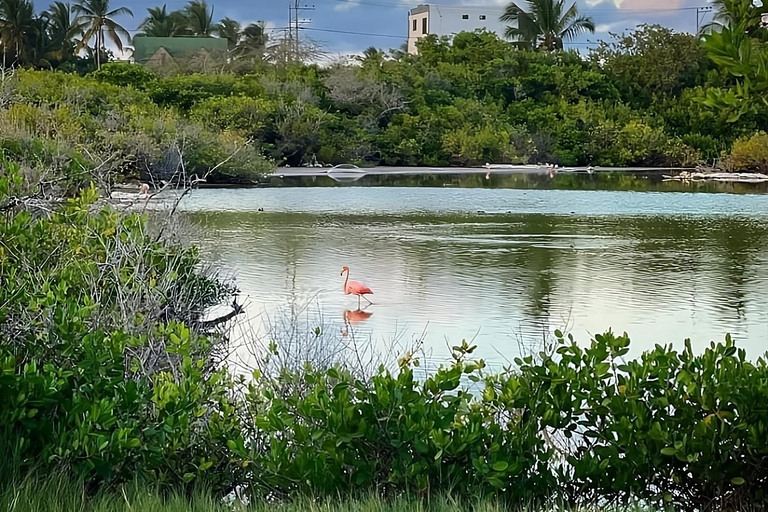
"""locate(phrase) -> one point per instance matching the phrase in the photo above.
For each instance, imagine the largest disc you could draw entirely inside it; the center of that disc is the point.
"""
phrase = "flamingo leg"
(366, 298)
(358, 301)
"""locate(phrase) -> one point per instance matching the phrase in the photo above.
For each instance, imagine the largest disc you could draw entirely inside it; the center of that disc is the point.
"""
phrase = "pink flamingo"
(144, 190)
(355, 288)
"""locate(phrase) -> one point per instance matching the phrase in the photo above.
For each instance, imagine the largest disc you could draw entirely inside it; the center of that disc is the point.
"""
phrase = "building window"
(424, 26)
(482, 16)
(414, 25)
(465, 16)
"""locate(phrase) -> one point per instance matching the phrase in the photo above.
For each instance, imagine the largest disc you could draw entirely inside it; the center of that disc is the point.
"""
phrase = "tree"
(17, 23)
(253, 41)
(729, 13)
(229, 29)
(372, 55)
(546, 24)
(63, 29)
(653, 60)
(744, 60)
(96, 17)
(200, 18)
(161, 23)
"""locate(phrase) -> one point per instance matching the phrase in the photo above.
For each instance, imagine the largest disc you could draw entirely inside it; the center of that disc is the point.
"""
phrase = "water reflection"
(356, 317)
(506, 280)
(353, 318)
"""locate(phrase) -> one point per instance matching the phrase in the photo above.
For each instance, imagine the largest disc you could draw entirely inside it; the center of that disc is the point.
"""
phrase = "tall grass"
(62, 495)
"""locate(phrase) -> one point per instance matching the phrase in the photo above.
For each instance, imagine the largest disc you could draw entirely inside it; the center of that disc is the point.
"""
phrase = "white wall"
(447, 21)
(450, 20)
(415, 35)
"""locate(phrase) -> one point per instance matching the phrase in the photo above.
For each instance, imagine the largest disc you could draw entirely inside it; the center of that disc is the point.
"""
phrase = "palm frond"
(578, 26)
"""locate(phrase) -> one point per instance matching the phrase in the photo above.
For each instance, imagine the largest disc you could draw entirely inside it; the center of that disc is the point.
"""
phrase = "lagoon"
(501, 267)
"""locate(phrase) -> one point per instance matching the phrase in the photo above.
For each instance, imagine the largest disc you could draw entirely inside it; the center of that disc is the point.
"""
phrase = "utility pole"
(295, 23)
(290, 27)
(700, 13)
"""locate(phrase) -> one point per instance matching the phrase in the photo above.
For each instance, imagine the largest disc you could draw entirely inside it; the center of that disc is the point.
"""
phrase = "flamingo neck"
(346, 281)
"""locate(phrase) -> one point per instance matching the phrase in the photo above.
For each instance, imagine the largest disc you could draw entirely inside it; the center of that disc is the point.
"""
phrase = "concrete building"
(441, 20)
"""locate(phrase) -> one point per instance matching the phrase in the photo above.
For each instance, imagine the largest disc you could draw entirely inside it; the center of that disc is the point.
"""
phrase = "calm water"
(502, 267)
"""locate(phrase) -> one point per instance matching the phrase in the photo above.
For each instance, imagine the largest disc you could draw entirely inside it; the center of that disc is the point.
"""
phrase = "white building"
(450, 20)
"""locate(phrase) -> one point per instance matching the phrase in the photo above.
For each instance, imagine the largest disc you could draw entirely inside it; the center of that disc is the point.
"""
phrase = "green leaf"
(668, 451)
(738, 481)
(500, 465)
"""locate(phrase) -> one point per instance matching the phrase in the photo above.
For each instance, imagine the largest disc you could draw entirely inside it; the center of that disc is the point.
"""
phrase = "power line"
(333, 31)
(382, 3)
(368, 34)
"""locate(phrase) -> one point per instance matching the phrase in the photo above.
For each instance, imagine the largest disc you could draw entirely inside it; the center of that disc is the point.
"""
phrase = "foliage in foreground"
(59, 495)
(109, 373)
(105, 370)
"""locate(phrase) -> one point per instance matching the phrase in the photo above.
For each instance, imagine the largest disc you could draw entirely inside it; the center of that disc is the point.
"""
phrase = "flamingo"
(355, 288)
(144, 190)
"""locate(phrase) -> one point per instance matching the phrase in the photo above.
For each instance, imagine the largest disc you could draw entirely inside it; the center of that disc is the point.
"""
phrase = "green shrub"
(580, 426)
(749, 154)
(183, 91)
(670, 427)
(124, 75)
(328, 433)
(100, 372)
(247, 115)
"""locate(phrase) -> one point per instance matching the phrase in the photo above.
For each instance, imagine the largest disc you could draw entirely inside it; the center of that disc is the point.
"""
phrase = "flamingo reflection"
(354, 317)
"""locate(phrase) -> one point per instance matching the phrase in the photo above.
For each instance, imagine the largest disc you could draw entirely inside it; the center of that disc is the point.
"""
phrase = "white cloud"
(346, 5)
(640, 4)
(609, 27)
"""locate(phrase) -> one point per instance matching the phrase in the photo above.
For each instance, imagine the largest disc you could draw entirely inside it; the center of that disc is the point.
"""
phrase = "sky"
(346, 27)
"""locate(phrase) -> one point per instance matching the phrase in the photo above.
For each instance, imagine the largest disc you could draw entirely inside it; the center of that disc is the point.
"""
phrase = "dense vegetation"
(649, 97)
(110, 372)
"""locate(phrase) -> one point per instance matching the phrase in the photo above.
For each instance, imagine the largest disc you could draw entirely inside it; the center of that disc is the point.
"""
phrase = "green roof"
(178, 47)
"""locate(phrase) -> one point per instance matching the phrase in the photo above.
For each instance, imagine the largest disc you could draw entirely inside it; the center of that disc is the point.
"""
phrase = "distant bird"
(144, 190)
(355, 288)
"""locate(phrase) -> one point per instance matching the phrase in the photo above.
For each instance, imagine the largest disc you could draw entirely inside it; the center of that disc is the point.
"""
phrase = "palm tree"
(62, 29)
(41, 49)
(372, 55)
(253, 41)
(744, 13)
(229, 29)
(161, 23)
(96, 17)
(200, 18)
(545, 25)
(17, 23)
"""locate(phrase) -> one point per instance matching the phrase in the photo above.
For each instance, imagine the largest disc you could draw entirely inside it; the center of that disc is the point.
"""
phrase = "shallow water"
(502, 267)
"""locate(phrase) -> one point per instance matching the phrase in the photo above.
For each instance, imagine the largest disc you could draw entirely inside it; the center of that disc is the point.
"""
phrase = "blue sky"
(383, 23)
